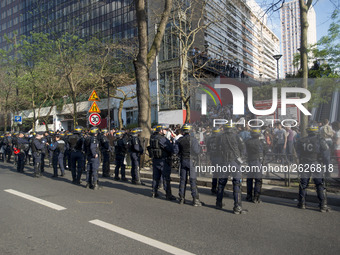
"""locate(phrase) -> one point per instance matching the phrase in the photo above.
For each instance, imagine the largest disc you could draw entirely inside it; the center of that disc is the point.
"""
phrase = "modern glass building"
(106, 19)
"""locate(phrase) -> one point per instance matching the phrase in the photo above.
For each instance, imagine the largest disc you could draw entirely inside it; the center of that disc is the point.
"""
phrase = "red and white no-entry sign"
(95, 119)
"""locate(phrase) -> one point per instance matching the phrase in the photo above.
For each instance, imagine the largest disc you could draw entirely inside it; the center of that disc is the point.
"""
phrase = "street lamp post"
(277, 57)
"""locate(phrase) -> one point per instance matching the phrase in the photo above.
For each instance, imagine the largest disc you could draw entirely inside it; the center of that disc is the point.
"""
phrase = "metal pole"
(108, 107)
(278, 77)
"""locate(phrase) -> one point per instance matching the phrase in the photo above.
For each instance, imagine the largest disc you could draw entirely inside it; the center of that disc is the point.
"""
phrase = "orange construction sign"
(94, 108)
(94, 96)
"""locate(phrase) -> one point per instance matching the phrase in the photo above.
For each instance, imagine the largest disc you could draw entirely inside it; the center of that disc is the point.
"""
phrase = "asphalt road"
(122, 218)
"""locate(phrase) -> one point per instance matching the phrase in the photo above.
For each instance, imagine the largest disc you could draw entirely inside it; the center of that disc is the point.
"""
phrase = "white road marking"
(149, 241)
(35, 199)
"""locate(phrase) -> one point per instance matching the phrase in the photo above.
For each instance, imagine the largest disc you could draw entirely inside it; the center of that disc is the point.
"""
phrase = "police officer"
(22, 146)
(256, 150)
(215, 155)
(8, 146)
(2, 148)
(136, 150)
(58, 149)
(15, 146)
(37, 147)
(105, 149)
(49, 152)
(160, 151)
(44, 151)
(93, 153)
(76, 142)
(232, 149)
(67, 154)
(188, 147)
(121, 146)
(309, 150)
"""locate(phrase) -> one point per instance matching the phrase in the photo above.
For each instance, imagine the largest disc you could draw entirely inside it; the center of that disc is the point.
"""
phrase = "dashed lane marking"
(143, 239)
(35, 199)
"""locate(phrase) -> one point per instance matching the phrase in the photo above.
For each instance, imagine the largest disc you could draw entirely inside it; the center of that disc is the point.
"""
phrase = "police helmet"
(78, 129)
(69, 133)
(119, 133)
(136, 131)
(216, 130)
(313, 128)
(160, 127)
(228, 126)
(105, 130)
(186, 128)
(94, 130)
(255, 132)
(51, 132)
(2, 136)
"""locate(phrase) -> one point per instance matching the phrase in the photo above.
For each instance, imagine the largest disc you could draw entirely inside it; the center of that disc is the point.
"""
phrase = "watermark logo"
(238, 99)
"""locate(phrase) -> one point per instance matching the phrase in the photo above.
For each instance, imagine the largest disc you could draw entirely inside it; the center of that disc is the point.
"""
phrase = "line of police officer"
(225, 148)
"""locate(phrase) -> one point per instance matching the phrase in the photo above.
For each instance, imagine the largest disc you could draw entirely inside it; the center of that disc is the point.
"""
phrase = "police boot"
(249, 198)
(96, 186)
(323, 203)
(154, 194)
(302, 198)
(137, 180)
(181, 200)
(196, 202)
(238, 204)
(169, 195)
(88, 185)
(257, 199)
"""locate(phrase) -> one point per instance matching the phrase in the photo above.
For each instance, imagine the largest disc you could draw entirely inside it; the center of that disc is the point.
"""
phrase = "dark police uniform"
(23, 146)
(93, 154)
(105, 149)
(256, 150)
(8, 142)
(76, 142)
(136, 150)
(232, 149)
(215, 155)
(310, 150)
(121, 147)
(188, 147)
(160, 151)
(37, 147)
(2, 148)
(58, 149)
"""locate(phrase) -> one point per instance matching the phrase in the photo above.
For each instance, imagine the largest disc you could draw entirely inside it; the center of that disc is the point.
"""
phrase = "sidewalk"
(267, 189)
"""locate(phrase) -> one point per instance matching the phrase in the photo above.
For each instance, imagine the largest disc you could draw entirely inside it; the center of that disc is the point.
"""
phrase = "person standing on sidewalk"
(188, 148)
(336, 127)
(309, 149)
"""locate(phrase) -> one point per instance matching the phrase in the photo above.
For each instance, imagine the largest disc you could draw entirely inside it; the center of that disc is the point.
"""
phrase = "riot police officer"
(136, 150)
(160, 151)
(188, 147)
(49, 152)
(8, 146)
(37, 147)
(93, 154)
(232, 149)
(105, 149)
(215, 155)
(121, 146)
(2, 148)
(58, 149)
(76, 142)
(22, 146)
(256, 150)
(309, 150)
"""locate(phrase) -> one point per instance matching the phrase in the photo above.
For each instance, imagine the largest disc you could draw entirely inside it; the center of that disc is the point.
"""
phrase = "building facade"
(291, 33)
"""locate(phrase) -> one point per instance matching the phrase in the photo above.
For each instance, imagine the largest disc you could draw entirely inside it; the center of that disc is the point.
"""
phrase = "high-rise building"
(291, 33)
(105, 19)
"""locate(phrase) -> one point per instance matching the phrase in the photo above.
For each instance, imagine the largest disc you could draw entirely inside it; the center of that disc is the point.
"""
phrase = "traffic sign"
(95, 119)
(94, 96)
(94, 108)
(18, 119)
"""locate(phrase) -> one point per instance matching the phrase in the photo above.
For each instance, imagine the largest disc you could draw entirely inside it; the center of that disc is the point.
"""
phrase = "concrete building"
(291, 33)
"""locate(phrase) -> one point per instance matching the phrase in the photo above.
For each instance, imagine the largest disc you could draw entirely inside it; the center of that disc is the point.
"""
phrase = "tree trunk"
(74, 101)
(145, 59)
(6, 120)
(120, 109)
(142, 72)
(187, 108)
(304, 57)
